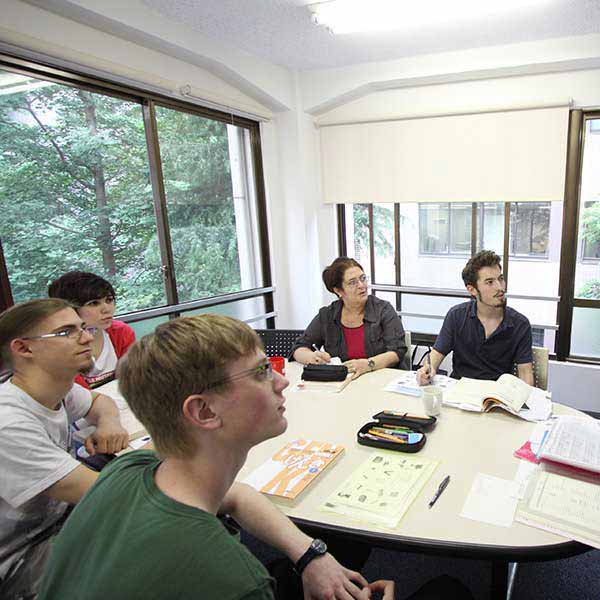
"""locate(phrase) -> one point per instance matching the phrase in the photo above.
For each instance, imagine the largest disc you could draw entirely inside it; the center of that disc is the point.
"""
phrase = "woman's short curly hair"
(333, 275)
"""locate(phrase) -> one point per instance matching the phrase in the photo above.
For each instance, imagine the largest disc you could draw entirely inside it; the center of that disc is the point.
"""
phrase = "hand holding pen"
(319, 357)
(425, 374)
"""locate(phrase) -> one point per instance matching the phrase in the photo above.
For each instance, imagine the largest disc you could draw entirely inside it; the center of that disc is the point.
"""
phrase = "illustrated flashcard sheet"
(382, 489)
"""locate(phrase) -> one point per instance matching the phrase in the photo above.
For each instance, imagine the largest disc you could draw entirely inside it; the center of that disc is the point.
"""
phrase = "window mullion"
(506, 243)
(371, 242)
(160, 202)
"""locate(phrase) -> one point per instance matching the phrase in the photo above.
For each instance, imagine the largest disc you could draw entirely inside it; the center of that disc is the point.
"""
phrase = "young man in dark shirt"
(486, 336)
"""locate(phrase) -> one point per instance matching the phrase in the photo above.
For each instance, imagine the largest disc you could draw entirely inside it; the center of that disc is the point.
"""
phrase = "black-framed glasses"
(264, 372)
(354, 282)
(70, 332)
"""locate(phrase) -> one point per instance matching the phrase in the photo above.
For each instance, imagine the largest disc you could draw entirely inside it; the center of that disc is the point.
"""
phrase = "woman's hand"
(319, 358)
(358, 367)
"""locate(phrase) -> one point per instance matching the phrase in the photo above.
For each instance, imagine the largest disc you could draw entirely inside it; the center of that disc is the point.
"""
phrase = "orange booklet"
(291, 469)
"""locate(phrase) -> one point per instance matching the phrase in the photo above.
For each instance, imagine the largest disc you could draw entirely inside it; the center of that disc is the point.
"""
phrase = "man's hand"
(109, 437)
(425, 375)
(325, 579)
(319, 358)
(384, 587)
(358, 367)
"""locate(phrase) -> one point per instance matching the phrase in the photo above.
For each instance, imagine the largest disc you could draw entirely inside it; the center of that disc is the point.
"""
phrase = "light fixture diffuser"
(353, 16)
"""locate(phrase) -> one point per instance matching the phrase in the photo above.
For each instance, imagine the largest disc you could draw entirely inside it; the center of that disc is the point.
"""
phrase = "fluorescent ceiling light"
(351, 16)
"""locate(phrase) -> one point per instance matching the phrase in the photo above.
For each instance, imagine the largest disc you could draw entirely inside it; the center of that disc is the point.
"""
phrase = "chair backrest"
(278, 342)
(540, 367)
(406, 362)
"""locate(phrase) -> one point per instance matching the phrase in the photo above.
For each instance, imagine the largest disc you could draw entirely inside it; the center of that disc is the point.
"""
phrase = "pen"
(429, 366)
(440, 489)
(403, 415)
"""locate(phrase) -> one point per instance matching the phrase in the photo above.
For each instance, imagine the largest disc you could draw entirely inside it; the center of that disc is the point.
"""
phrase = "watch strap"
(317, 548)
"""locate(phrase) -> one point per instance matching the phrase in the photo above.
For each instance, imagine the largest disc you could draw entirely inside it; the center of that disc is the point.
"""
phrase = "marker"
(385, 436)
(440, 489)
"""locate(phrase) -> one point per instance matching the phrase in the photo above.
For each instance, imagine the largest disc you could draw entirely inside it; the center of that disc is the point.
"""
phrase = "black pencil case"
(416, 426)
(324, 372)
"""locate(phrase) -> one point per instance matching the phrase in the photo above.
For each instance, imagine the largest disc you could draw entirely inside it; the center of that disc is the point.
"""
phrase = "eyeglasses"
(354, 282)
(70, 332)
(263, 372)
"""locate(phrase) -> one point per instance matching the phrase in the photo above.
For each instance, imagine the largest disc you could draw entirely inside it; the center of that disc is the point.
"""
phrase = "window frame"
(148, 100)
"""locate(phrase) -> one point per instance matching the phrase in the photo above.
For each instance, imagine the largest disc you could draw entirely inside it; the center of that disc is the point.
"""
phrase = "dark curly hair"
(485, 258)
(333, 275)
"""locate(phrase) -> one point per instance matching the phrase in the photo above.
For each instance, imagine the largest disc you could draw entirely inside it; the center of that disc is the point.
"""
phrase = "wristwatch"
(371, 364)
(317, 548)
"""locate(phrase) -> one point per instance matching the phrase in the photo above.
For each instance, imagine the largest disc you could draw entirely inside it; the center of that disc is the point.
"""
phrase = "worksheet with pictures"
(382, 489)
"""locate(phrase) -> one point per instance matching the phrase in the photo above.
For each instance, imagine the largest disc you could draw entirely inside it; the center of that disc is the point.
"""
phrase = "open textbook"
(508, 393)
(573, 441)
(290, 470)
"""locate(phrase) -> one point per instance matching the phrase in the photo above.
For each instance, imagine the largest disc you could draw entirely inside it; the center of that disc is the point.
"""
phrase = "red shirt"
(355, 341)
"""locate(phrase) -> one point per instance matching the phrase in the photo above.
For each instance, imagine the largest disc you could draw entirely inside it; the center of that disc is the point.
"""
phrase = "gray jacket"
(383, 331)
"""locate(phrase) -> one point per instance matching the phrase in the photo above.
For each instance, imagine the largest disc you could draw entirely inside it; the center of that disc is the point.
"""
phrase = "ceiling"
(281, 31)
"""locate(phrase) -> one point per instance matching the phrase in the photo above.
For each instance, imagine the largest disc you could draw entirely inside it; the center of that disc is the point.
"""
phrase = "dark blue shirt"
(480, 358)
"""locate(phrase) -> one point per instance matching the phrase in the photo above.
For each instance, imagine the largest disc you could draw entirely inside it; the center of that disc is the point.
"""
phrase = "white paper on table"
(407, 384)
(523, 475)
(136, 444)
(491, 500)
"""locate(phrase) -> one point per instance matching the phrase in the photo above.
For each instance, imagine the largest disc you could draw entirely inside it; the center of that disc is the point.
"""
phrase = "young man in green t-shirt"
(206, 393)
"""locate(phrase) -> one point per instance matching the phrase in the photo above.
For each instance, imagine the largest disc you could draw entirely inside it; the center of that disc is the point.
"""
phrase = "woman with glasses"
(362, 330)
(94, 298)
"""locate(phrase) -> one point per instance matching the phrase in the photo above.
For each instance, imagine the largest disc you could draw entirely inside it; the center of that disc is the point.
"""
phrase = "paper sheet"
(565, 505)
(574, 441)
(524, 473)
(491, 500)
(407, 384)
(382, 489)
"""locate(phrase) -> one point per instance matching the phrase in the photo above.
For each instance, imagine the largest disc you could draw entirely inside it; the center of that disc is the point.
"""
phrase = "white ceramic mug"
(432, 400)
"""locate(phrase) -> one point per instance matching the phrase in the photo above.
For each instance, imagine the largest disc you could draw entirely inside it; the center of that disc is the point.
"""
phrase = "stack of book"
(563, 495)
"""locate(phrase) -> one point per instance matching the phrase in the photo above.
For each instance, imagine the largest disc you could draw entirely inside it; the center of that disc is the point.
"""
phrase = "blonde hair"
(181, 358)
(22, 320)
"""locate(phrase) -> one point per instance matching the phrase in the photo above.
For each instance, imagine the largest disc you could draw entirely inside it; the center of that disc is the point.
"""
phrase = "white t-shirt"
(104, 366)
(34, 454)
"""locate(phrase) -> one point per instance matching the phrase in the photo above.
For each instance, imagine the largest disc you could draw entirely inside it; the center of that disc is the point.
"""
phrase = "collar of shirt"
(370, 313)
(507, 319)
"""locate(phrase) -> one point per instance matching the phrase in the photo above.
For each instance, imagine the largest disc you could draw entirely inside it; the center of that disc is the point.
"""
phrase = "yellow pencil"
(387, 437)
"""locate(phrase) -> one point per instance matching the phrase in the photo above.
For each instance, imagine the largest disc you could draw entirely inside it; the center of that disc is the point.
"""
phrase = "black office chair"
(279, 342)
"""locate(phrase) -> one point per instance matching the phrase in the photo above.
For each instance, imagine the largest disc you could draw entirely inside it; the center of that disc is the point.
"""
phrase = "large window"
(445, 228)
(585, 333)
(417, 255)
(530, 229)
(158, 197)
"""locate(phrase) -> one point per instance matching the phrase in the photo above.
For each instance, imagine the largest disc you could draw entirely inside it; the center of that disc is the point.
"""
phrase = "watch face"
(319, 546)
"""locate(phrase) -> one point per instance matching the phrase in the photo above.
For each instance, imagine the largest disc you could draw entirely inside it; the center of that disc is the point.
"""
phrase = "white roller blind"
(512, 156)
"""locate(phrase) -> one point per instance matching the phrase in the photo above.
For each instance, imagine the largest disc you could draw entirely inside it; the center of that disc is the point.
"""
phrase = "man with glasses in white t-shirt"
(45, 344)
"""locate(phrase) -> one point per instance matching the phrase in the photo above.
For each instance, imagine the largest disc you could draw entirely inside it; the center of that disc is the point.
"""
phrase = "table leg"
(499, 587)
